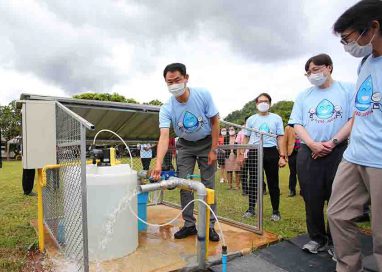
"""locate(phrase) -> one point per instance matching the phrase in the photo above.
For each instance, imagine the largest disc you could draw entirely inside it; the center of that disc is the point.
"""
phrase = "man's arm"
(343, 134)
(281, 145)
(161, 152)
(215, 127)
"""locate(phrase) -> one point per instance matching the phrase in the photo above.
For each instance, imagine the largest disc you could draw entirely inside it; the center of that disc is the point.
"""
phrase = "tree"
(114, 97)
(10, 122)
(154, 102)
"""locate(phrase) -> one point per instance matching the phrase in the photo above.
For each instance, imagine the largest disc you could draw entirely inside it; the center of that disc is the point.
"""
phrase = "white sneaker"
(332, 253)
(275, 217)
(314, 247)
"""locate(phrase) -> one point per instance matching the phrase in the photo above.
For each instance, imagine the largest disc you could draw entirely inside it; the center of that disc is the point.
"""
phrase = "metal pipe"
(201, 194)
(78, 118)
(249, 129)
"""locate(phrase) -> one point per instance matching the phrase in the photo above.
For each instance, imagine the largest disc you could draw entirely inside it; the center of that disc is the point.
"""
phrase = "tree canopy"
(10, 121)
(282, 108)
(114, 97)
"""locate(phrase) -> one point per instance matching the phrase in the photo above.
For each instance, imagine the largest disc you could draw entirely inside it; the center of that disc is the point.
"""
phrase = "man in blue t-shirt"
(195, 120)
(359, 176)
(320, 117)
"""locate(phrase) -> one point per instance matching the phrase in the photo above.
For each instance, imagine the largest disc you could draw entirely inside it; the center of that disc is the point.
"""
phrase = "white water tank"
(107, 187)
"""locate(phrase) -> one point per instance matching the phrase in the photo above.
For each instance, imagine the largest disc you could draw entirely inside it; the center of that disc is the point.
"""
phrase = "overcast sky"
(236, 49)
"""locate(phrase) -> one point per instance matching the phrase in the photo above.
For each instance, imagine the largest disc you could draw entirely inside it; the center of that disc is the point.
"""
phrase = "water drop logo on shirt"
(324, 109)
(366, 97)
(364, 94)
(190, 123)
(264, 128)
(325, 112)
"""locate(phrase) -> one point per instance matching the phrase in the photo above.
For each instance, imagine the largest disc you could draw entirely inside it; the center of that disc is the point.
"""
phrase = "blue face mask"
(177, 89)
(359, 51)
(317, 79)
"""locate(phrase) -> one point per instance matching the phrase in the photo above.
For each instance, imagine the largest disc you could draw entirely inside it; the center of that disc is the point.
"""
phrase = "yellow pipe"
(40, 209)
(47, 167)
(210, 199)
(40, 212)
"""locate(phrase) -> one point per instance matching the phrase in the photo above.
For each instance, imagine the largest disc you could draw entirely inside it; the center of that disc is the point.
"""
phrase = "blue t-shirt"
(146, 151)
(323, 112)
(271, 123)
(190, 120)
(365, 146)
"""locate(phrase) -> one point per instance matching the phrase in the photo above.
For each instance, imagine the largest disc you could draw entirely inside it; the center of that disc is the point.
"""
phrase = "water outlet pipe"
(201, 192)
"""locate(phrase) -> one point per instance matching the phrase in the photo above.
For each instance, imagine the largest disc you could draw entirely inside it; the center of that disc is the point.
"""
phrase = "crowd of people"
(332, 141)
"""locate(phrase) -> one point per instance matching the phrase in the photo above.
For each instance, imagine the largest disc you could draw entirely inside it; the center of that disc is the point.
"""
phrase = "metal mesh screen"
(64, 197)
(239, 170)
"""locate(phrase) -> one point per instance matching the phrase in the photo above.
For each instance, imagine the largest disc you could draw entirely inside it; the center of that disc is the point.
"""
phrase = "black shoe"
(362, 218)
(185, 232)
(292, 194)
(214, 237)
(31, 194)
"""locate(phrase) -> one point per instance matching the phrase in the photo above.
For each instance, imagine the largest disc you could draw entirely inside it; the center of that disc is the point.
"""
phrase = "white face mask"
(317, 79)
(231, 132)
(177, 89)
(262, 107)
(359, 51)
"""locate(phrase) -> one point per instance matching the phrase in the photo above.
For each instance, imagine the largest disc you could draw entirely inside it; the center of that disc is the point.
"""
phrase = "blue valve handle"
(193, 176)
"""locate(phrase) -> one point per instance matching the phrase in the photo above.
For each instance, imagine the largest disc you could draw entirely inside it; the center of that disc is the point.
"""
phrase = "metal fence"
(64, 197)
(238, 178)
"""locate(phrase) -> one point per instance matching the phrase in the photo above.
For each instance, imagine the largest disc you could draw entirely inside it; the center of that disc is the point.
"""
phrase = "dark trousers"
(292, 162)
(271, 168)
(316, 179)
(28, 180)
(146, 163)
(244, 174)
(188, 154)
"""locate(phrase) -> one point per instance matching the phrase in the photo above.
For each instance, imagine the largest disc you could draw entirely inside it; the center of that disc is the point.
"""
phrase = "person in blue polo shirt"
(195, 120)
(319, 115)
(359, 176)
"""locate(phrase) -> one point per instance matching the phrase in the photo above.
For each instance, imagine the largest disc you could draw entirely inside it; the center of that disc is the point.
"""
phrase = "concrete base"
(159, 251)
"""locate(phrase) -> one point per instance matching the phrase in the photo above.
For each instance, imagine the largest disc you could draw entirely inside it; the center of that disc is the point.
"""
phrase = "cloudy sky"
(236, 49)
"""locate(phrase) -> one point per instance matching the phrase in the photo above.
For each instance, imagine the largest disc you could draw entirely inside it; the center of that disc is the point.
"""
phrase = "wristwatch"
(335, 141)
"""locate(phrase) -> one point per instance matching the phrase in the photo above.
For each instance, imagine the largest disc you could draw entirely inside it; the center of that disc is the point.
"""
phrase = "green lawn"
(16, 235)
(231, 204)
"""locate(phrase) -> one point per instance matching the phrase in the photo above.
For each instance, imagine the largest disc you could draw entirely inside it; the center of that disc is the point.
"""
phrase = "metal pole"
(201, 253)
(260, 183)
(40, 214)
(84, 199)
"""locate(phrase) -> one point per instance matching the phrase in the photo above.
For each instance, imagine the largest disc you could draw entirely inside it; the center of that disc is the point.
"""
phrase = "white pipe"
(202, 193)
(119, 137)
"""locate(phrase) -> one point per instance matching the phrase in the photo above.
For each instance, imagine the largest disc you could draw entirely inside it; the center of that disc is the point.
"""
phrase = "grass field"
(231, 204)
(16, 211)
(16, 235)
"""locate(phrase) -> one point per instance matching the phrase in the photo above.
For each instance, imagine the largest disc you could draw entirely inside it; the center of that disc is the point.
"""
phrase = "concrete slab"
(159, 251)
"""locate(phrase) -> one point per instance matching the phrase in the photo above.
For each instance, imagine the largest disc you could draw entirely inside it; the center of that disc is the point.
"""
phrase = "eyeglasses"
(344, 40)
(314, 70)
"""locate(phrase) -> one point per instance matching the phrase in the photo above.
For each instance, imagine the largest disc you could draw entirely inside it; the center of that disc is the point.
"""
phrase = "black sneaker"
(185, 232)
(31, 194)
(292, 193)
(214, 237)
(362, 218)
